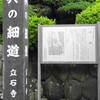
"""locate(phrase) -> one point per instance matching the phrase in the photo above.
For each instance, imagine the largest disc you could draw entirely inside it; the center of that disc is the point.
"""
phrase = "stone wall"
(64, 82)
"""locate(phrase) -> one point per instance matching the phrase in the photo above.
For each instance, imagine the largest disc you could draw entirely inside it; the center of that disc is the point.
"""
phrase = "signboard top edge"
(67, 25)
(69, 62)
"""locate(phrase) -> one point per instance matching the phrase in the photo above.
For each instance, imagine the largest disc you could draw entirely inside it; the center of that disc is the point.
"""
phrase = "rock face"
(61, 73)
(93, 70)
(46, 71)
(53, 89)
(90, 88)
(79, 72)
(73, 90)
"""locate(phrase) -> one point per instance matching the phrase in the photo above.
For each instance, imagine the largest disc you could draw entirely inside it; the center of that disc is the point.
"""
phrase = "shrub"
(89, 16)
(1, 39)
(97, 0)
(31, 11)
(41, 10)
(57, 2)
(91, 0)
(33, 28)
(71, 7)
(61, 2)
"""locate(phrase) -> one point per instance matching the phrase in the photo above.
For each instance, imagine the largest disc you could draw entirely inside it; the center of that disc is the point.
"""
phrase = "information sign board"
(64, 44)
(69, 44)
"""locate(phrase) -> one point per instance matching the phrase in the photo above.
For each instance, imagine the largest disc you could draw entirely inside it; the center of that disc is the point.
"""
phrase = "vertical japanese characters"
(13, 32)
(15, 49)
(13, 82)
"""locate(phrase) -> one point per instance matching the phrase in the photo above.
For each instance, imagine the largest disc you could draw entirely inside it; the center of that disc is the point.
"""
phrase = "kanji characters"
(9, 1)
(13, 93)
(13, 72)
(13, 82)
(13, 50)
(12, 14)
(13, 32)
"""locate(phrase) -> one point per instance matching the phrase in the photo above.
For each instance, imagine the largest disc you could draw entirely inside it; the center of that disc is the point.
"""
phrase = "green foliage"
(71, 7)
(89, 16)
(91, 0)
(97, 0)
(1, 10)
(41, 10)
(61, 2)
(1, 39)
(31, 11)
(33, 28)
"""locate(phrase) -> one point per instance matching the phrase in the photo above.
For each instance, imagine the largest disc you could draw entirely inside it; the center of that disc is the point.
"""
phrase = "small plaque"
(69, 43)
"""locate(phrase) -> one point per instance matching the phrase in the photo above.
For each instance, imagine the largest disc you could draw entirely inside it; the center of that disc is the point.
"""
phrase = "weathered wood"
(15, 49)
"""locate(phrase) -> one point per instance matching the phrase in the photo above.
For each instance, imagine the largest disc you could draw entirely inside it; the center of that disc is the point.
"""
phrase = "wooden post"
(15, 32)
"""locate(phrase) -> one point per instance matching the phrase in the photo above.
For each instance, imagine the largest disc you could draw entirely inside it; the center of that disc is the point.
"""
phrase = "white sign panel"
(69, 44)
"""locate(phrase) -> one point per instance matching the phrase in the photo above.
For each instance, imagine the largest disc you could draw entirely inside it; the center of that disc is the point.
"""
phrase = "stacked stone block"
(68, 82)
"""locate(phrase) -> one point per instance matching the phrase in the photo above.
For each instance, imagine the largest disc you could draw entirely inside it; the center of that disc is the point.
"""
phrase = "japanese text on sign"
(13, 82)
(9, 1)
(16, 30)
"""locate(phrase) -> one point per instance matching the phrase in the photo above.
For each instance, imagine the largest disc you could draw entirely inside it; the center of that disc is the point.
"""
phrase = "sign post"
(99, 61)
(68, 44)
(15, 32)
